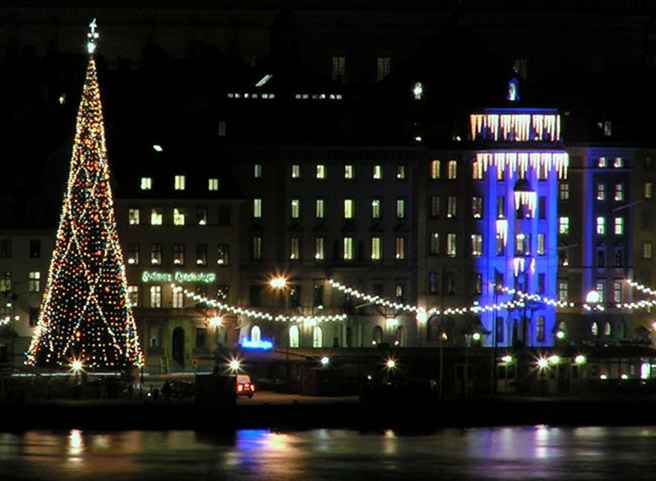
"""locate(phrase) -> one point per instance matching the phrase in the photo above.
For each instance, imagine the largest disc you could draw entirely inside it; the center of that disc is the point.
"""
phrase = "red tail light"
(240, 388)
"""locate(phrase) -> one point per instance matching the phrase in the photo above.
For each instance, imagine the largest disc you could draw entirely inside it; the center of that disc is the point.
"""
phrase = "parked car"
(245, 386)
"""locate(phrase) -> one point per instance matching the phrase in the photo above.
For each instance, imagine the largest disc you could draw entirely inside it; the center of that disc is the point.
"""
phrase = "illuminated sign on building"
(179, 277)
(257, 344)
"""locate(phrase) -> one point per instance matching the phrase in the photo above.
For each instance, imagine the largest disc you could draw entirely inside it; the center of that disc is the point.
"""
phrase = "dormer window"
(179, 183)
(213, 184)
(146, 183)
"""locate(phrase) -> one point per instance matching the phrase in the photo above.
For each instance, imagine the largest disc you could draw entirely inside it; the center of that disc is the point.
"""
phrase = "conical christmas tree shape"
(85, 315)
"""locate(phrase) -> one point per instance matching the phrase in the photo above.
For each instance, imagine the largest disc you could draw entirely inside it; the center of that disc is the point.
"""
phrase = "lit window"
(453, 169)
(133, 296)
(619, 225)
(563, 225)
(608, 330)
(201, 255)
(378, 172)
(295, 208)
(375, 209)
(383, 67)
(601, 226)
(563, 191)
(617, 291)
(223, 254)
(317, 337)
(339, 68)
(256, 246)
(477, 245)
(451, 246)
(34, 281)
(321, 171)
(477, 207)
(257, 208)
(477, 171)
(348, 171)
(542, 173)
(418, 90)
(376, 249)
(5, 282)
(156, 254)
(435, 169)
(319, 248)
(594, 329)
(541, 244)
(601, 191)
(179, 182)
(296, 171)
(602, 162)
(146, 183)
(451, 207)
(318, 208)
(348, 248)
(257, 171)
(522, 243)
(400, 248)
(648, 190)
(294, 248)
(647, 249)
(178, 217)
(601, 288)
(156, 217)
(156, 296)
(400, 172)
(434, 244)
(294, 337)
(178, 299)
(619, 192)
(348, 209)
(563, 291)
(133, 254)
(213, 184)
(400, 208)
(501, 207)
(133, 216)
(178, 254)
(618, 163)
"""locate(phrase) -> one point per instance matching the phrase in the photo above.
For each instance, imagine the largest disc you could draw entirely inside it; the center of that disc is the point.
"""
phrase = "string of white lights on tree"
(85, 316)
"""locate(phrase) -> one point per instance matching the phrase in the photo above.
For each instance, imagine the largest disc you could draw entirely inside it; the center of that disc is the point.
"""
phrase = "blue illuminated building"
(517, 164)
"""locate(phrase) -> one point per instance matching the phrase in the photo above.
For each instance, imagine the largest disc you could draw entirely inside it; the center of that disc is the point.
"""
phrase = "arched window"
(377, 335)
(294, 337)
(256, 334)
(594, 329)
(317, 337)
(399, 338)
(608, 329)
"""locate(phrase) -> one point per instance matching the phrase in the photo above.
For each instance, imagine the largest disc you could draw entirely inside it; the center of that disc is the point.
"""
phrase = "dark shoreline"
(413, 417)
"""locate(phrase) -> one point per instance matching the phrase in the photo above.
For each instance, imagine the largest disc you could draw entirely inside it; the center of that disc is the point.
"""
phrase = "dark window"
(34, 316)
(601, 258)
(201, 338)
(295, 296)
(619, 257)
(378, 289)
(317, 294)
(201, 255)
(478, 284)
(541, 283)
(256, 296)
(450, 284)
(225, 217)
(223, 255)
(542, 207)
(5, 248)
(500, 330)
(35, 248)
(433, 283)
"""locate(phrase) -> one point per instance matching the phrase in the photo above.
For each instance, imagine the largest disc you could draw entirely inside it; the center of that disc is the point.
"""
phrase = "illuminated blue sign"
(259, 345)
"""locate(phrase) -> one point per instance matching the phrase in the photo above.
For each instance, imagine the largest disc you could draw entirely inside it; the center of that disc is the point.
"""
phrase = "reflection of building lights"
(507, 359)
(390, 364)
(624, 377)
(560, 335)
(76, 366)
(476, 336)
(157, 148)
(603, 377)
(445, 336)
(580, 360)
(325, 361)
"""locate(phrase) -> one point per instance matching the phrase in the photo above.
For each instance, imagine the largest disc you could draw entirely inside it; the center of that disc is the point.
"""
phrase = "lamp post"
(279, 283)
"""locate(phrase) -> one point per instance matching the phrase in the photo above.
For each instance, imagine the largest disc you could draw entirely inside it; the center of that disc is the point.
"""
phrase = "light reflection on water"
(532, 452)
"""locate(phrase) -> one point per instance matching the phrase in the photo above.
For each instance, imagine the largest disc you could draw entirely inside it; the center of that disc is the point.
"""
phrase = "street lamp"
(592, 297)
(234, 365)
(278, 282)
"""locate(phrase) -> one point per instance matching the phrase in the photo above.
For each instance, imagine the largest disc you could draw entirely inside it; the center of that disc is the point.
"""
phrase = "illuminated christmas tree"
(85, 315)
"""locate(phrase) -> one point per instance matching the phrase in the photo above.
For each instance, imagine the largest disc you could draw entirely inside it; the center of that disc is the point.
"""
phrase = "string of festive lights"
(85, 315)
(642, 288)
(420, 311)
(266, 316)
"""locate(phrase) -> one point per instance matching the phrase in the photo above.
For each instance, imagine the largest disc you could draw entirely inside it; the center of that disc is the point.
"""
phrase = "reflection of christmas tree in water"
(85, 313)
